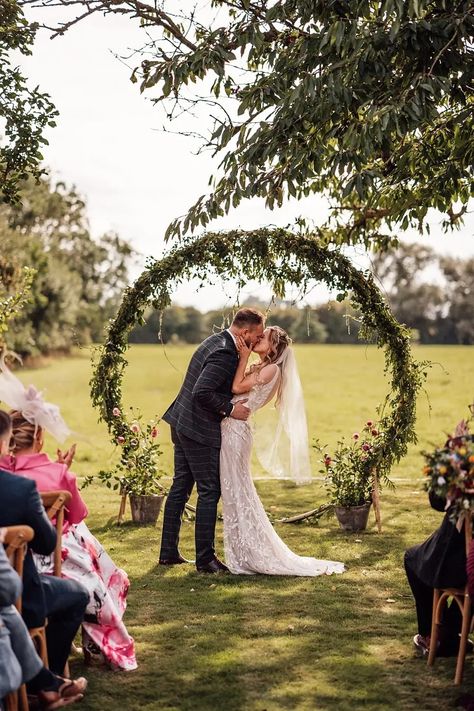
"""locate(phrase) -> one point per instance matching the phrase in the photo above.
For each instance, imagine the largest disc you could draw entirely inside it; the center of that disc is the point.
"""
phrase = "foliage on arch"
(281, 257)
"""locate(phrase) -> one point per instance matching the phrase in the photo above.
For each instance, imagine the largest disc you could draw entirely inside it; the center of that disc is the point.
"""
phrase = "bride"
(251, 543)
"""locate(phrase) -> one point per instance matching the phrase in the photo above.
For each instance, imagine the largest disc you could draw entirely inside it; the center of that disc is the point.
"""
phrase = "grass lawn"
(339, 642)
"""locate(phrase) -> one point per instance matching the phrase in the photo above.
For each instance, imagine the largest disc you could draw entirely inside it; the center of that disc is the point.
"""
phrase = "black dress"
(440, 561)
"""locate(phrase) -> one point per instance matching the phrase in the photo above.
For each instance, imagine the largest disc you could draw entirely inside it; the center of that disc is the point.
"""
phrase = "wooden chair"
(460, 596)
(16, 541)
(54, 503)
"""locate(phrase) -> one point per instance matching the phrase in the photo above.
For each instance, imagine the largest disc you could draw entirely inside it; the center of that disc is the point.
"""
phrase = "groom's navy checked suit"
(195, 418)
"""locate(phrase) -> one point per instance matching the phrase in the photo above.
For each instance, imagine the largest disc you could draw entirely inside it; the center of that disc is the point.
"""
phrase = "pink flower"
(356, 436)
(366, 447)
(327, 460)
(116, 412)
(135, 427)
(120, 439)
(154, 432)
(369, 423)
(374, 432)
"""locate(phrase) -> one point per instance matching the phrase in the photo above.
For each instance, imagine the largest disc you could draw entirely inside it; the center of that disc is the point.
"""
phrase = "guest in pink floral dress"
(105, 636)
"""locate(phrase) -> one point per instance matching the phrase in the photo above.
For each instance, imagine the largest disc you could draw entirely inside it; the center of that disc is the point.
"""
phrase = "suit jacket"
(10, 583)
(49, 476)
(441, 560)
(206, 392)
(20, 503)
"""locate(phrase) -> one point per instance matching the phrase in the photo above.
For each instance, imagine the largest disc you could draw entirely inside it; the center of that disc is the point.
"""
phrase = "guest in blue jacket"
(19, 661)
(62, 602)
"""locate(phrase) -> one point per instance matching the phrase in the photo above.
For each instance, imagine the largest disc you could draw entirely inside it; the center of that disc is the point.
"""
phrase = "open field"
(274, 643)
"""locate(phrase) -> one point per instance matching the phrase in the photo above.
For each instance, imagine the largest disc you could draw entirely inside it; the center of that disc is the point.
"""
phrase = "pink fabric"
(104, 634)
(84, 560)
(49, 476)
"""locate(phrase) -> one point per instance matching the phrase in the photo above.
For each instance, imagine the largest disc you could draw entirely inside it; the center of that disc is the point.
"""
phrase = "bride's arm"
(243, 382)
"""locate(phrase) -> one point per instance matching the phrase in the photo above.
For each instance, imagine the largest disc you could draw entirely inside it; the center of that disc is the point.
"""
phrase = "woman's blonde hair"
(24, 434)
(279, 342)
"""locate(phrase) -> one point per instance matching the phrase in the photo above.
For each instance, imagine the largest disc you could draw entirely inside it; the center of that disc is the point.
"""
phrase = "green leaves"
(15, 293)
(25, 112)
(337, 98)
(279, 257)
(357, 101)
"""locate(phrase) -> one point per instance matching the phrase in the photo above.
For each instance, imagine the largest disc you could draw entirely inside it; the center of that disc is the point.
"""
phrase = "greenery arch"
(281, 257)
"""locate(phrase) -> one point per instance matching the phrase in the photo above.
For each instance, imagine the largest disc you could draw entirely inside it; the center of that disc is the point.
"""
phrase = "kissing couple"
(213, 441)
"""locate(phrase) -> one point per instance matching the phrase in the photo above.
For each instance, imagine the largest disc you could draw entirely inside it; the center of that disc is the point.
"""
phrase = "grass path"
(255, 643)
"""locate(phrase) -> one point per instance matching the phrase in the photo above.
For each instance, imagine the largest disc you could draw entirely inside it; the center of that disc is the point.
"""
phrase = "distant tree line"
(333, 322)
(431, 294)
(77, 283)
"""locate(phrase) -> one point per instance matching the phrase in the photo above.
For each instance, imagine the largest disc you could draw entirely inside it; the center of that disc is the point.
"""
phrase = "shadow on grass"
(262, 642)
(269, 642)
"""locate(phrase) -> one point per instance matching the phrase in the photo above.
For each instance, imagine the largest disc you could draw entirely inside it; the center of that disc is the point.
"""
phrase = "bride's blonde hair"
(279, 342)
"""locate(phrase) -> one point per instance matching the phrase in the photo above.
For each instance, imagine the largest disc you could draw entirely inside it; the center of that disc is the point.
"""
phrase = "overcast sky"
(136, 178)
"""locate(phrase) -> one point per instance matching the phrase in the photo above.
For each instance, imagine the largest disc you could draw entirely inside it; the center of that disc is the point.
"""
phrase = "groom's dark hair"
(248, 317)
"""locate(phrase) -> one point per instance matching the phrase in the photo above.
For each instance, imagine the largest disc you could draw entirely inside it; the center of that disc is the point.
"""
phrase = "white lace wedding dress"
(251, 544)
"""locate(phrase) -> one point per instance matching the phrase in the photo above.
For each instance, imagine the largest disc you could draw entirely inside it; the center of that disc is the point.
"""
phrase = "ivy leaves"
(280, 257)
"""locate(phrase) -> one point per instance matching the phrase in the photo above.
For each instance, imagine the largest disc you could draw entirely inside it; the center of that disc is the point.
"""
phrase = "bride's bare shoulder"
(267, 373)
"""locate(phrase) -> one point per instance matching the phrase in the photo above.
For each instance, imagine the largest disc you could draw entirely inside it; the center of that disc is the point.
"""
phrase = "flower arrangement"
(349, 471)
(450, 473)
(137, 471)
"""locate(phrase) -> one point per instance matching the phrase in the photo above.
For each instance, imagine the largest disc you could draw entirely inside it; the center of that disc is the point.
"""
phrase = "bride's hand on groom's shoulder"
(243, 348)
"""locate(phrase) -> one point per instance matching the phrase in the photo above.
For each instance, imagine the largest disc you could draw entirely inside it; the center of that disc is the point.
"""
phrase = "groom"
(195, 418)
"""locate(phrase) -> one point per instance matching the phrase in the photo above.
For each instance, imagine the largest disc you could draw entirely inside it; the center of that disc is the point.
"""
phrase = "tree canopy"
(369, 102)
(24, 112)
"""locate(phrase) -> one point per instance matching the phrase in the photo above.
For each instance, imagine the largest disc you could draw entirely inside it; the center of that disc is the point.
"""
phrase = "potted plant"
(136, 474)
(349, 477)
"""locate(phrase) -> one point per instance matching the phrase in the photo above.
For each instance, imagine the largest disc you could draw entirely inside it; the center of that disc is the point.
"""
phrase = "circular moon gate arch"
(278, 256)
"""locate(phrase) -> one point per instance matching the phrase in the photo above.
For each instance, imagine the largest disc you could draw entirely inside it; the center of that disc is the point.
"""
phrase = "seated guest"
(53, 691)
(105, 637)
(62, 602)
(439, 562)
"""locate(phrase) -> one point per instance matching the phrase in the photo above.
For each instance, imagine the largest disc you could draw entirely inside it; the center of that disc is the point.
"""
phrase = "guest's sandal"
(73, 687)
(68, 693)
(49, 704)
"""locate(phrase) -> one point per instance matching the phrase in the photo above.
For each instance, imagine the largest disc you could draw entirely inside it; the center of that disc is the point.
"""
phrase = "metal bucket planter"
(353, 518)
(146, 509)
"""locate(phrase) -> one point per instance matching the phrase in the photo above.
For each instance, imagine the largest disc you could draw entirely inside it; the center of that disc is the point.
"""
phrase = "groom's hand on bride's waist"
(240, 411)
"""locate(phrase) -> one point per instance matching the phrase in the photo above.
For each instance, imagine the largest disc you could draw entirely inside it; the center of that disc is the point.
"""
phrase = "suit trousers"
(194, 463)
(22, 646)
(423, 594)
(65, 605)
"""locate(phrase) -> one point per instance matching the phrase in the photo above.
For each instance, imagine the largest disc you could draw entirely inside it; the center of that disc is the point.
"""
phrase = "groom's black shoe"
(214, 566)
(178, 560)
